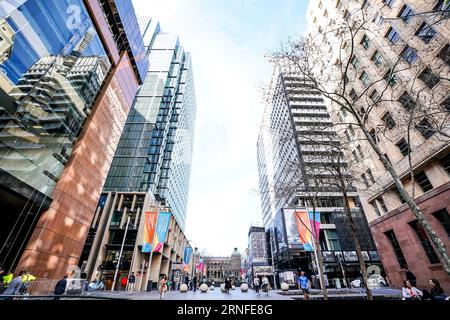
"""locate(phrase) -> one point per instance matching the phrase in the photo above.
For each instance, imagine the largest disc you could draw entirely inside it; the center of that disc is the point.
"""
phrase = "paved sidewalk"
(215, 294)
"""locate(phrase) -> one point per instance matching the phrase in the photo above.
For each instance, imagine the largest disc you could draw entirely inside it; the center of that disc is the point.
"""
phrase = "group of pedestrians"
(410, 292)
(261, 284)
(19, 285)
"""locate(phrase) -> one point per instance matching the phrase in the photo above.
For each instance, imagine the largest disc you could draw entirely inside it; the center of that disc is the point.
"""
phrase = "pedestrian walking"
(60, 287)
(256, 285)
(162, 287)
(194, 284)
(169, 284)
(227, 284)
(15, 286)
(265, 285)
(410, 292)
(303, 284)
(410, 277)
(131, 282)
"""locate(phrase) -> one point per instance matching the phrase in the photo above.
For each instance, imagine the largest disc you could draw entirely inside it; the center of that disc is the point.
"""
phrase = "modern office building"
(150, 170)
(155, 149)
(68, 75)
(290, 158)
(406, 59)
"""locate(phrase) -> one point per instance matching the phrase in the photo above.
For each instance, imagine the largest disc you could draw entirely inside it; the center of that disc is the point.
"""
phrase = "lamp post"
(120, 254)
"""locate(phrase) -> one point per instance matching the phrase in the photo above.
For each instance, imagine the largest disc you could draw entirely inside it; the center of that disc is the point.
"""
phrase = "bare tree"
(337, 75)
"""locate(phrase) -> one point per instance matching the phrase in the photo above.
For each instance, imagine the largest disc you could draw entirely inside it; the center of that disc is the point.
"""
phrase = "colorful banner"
(200, 265)
(308, 223)
(187, 259)
(162, 227)
(149, 231)
(314, 217)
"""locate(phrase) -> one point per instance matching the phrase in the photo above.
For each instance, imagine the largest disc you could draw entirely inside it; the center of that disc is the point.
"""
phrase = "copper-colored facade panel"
(105, 34)
(58, 239)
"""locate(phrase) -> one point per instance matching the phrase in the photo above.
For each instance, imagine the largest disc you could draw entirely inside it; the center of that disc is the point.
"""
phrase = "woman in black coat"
(228, 284)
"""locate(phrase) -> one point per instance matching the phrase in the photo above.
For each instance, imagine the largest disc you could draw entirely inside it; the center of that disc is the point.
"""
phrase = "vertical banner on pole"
(303, 222)
(187, 259)
(149, 230)
(162, 227)
(314, 217)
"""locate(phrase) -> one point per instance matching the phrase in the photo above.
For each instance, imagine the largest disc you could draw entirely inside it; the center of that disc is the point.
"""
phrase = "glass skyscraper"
(69, 71)
(155, 149)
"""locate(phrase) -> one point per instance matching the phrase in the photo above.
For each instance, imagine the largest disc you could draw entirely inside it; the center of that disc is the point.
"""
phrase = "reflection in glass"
(52, 66)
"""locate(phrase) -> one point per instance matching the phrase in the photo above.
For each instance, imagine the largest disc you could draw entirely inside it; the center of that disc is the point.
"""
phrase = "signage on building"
(149, 231)
(262, 270)
(162, 228)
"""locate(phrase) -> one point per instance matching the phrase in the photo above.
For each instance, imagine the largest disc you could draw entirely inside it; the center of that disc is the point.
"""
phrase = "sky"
(228, 41)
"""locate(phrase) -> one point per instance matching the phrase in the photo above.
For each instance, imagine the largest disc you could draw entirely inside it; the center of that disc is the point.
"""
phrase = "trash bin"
(149, 285)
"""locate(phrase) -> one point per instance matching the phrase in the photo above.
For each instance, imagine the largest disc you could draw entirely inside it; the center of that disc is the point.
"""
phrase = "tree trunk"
(320, 269)
(434, 238)
(354, 231)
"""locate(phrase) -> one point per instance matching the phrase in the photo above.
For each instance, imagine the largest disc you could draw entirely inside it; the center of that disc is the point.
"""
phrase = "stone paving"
(216, 294)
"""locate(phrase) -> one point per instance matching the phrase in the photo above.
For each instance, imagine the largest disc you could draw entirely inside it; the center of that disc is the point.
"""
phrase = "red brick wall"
(412, 249)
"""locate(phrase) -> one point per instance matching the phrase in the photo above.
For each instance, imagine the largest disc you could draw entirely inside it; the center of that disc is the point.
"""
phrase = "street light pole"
(120, 254)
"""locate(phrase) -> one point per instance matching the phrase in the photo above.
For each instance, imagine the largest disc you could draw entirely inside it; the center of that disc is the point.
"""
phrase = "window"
(387, 158)
(383, 205)
(399, 195)
(422, 180)
(397, 249)
(360, 151)
(425, 241)
(378, 20)
(355, 155)
(429, 78)
(446, 104)
(338, 4)
(353, 95)
(365, 5)
(442, 6)
(377, 58)
(392, 35)
(444, 54)
(445, 163)
(364, 77)
(409, 54)
(444, 219)
(370, 175)
(391, 78)
(374, 95)
(425, 128)
(406, 101)
(403, 146)
(364, 179)
(333, 240)
(388, 121)
(406, 14)
(373, 135)
(320, 5)
(365, 42)
(389, 3)
(355, 62)
(425, 32)
(375, 208)
(325, 14)
(347, 135)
